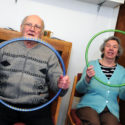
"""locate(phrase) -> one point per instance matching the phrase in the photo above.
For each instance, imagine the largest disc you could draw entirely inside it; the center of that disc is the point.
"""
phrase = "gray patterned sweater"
(27, 74)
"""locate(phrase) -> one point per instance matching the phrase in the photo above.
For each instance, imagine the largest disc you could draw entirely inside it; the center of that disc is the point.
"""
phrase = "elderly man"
(28, 70)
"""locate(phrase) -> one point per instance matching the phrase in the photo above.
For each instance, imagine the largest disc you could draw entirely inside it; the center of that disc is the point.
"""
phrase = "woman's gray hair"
(120, 50)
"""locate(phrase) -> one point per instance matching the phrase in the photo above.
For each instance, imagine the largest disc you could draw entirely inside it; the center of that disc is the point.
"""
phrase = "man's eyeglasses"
(29, 25)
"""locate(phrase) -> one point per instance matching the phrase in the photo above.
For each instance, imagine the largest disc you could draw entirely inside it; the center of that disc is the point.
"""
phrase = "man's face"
(32, 27)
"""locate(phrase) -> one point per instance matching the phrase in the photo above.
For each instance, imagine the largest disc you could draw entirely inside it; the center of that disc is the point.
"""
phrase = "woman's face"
(111, 49)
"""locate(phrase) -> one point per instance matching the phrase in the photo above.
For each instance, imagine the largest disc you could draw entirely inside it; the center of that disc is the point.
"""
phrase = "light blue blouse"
(97, 95)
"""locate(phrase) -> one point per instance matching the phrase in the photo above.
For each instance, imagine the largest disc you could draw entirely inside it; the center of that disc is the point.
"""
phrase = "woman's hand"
(89, 73)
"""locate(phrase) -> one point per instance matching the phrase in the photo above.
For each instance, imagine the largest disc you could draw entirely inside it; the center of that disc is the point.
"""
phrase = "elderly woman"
(99, 105)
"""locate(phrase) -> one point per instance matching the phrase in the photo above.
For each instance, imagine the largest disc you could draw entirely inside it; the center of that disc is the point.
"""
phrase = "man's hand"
(64, 82)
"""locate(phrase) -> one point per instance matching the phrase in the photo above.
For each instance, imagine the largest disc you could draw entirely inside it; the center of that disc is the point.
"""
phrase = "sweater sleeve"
(122, 89)
(122, 93)
(0, 54)
(54, 72)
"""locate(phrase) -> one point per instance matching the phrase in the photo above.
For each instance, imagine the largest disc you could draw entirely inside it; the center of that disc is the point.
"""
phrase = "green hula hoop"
(86, 55)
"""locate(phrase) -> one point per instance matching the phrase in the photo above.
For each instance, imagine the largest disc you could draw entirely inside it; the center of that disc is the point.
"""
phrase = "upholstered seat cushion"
(19, 123)
(75, 118)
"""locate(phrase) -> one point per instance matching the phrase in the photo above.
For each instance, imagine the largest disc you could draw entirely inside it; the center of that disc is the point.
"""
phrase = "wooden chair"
(72, 118)
(63, 47)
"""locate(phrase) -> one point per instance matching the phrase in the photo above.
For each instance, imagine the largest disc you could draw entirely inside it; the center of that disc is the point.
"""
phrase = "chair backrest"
(74, 94)
(63, 47)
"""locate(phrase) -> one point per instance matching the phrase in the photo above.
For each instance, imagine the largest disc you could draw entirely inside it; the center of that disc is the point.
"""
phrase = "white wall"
(71, 20)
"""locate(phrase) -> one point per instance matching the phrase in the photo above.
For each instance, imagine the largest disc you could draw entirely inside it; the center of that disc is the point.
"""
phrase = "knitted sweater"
(97, 95)
(26, 74)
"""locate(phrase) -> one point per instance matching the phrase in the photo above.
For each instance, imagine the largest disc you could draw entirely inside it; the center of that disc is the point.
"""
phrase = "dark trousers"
(89, 116)
(38, 117)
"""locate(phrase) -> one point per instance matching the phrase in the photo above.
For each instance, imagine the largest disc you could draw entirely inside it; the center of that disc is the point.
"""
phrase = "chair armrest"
(73, 119)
